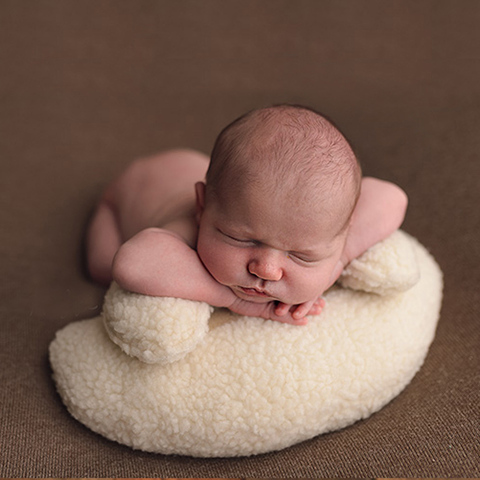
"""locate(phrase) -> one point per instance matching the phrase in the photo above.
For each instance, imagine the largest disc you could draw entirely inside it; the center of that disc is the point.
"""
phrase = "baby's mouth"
(255, 292)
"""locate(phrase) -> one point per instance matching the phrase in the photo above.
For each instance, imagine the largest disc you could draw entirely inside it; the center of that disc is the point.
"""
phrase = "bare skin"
(155, 233)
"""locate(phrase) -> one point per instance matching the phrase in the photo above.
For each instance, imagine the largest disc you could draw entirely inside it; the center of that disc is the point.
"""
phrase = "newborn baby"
(263, 228)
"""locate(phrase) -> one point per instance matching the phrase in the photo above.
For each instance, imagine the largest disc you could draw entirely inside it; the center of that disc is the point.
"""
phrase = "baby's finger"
(282, 309)
(317, 307)
(301, 311)
(315, 310)
(309, 308)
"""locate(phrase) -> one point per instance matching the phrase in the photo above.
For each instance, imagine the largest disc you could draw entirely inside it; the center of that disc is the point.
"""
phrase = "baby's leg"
(103, 241)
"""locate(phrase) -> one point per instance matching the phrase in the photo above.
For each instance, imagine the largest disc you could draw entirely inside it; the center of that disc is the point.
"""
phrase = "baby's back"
(159, 192)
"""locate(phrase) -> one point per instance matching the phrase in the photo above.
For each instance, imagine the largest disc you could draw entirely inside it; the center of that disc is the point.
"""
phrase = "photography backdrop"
(87, 86)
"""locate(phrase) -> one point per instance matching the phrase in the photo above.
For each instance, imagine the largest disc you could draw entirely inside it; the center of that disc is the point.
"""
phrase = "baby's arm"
(379, 212)
(158, 262)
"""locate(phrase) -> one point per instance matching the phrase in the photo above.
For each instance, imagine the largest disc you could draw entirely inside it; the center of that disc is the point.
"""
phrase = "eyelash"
(235, 239)
(300, 259)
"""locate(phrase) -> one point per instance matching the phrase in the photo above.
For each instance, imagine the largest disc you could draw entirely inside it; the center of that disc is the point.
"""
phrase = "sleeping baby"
(263, 227)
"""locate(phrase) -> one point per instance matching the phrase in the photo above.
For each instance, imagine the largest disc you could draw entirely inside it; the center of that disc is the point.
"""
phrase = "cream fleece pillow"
(222, 385)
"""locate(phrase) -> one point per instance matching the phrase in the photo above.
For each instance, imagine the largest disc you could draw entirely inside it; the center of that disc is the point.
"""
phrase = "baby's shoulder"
(184, 225)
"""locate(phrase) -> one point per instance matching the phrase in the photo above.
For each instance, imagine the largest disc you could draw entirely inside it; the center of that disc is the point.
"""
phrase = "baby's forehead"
(300, 182)
(310, 235)
(315, 215)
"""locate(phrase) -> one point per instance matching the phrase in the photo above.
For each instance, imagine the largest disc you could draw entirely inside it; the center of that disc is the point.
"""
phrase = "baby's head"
(274, 213)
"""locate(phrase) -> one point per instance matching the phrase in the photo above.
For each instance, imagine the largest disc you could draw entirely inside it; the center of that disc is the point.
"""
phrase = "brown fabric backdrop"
(86, 86)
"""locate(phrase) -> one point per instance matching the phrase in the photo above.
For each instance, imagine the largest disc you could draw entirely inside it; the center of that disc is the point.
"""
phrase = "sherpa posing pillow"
(180, 377)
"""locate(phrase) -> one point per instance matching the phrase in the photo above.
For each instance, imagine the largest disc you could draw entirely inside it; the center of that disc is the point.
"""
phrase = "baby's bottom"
(143, 196)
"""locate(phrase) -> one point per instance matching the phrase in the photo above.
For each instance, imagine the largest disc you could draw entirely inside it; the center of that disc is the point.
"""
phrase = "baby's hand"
(279, 312)
(285, 312)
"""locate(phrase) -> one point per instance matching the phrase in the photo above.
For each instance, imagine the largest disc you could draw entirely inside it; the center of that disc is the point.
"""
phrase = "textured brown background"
(85, 86)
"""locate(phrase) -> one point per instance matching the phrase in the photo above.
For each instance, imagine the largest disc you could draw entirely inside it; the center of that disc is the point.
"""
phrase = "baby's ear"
(200, 199)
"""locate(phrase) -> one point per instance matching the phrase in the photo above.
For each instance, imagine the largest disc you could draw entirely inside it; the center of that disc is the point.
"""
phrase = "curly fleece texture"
(249, 386)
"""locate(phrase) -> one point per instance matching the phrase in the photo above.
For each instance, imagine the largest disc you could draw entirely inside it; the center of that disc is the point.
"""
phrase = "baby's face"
(269, 251)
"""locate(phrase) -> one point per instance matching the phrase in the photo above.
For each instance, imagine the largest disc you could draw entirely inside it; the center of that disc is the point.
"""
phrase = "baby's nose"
(266, 266)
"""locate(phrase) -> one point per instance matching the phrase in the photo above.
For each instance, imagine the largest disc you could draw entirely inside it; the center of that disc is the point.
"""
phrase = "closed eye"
(302, 258)
(235, 239)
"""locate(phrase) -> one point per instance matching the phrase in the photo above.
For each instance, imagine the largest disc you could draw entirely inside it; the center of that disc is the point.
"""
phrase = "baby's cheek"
(317, 282)
(207, 256)
(215, 262)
